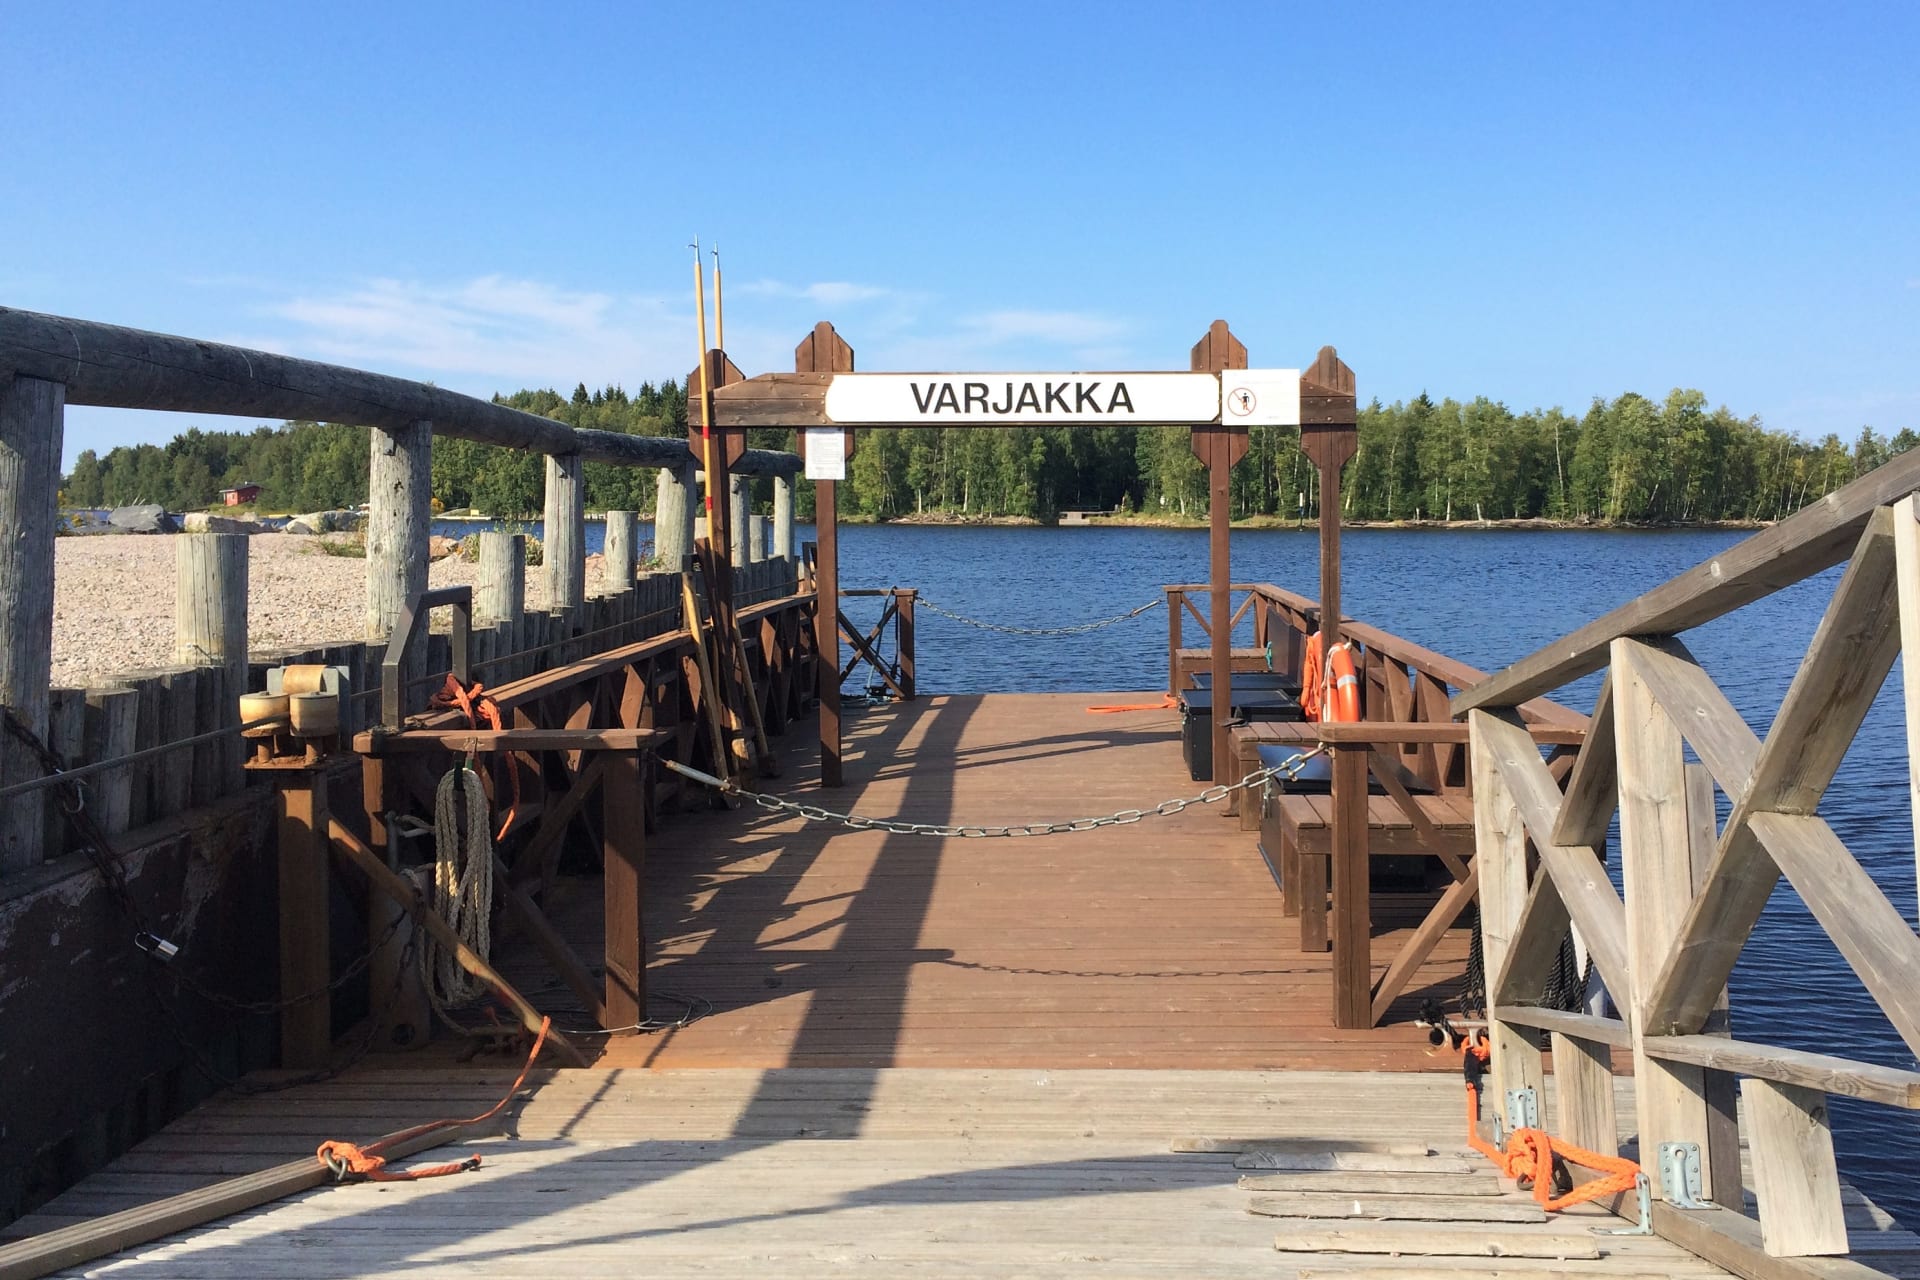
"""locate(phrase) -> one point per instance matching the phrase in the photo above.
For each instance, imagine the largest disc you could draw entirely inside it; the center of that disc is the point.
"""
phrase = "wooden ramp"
(1156, 944)
(939, 1173)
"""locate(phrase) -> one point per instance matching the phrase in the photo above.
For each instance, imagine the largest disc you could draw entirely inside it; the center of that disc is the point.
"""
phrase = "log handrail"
(122, 368)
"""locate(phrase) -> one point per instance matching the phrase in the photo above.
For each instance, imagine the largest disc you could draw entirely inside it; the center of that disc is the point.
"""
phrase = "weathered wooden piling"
(616, 574)
(32, 415)
(783, 516)
(564, 546)
(399, 509)
(500, 595)
(675, 500)
(210, 630)
(740, 507)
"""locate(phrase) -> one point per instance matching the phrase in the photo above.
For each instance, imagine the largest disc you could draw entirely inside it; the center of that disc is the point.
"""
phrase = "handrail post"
(617, 564)
(903, 638)
(674, 502)
(1176, 606)
(32, 420)
(399, 522)
(563, 556)
(1352, 890)
(210, 631)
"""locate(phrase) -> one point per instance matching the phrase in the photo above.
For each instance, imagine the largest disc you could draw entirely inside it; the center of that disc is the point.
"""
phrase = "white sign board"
(826, 454)
(1260, 397)
(933, 399)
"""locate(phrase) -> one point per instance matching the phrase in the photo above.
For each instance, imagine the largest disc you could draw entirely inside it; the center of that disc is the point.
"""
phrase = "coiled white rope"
(462, 889)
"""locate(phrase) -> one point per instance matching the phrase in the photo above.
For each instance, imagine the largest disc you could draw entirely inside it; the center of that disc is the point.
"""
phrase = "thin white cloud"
(1007, 338)
(828, 293)
(490, 333)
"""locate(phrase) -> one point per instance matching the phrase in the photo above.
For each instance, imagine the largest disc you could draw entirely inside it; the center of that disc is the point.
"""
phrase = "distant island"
(1629, 461)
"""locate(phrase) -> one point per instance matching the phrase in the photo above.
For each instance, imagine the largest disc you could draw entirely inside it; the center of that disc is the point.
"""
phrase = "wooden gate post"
(32, 421)
(825, 351)
(305, 1028)
(1220, 446)
(624, 858)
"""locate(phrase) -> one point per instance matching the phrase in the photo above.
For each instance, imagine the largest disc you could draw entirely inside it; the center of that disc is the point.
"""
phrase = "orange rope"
(472, 702)
(1530, 1153)
(1167, 702)
(347, 1159)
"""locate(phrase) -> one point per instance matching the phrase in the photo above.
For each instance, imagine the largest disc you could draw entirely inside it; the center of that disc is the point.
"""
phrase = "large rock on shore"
(147, 517)
(207, 522)
(317, 522)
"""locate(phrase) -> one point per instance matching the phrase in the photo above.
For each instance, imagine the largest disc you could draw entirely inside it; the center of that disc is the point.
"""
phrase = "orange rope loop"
(351, 1162)
(1530, 1153)
(473, 703)
(1167, 702)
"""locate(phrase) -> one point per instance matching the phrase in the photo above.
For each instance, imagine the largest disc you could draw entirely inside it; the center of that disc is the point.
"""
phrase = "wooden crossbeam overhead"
(1815, 538)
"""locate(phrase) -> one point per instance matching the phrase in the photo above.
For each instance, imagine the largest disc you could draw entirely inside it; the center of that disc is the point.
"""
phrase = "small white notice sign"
(826, 453)
(1260, 397)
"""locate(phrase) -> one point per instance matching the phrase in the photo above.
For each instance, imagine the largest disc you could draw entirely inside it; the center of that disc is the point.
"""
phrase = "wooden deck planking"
(794, 1172)
(1156, 944)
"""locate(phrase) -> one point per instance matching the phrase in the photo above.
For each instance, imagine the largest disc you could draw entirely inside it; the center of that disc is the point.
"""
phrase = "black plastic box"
(1196, 729)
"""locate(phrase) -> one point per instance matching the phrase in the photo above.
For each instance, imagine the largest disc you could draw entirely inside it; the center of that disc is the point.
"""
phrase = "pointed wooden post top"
(723, 372)
(823, 351)
(1219, 350)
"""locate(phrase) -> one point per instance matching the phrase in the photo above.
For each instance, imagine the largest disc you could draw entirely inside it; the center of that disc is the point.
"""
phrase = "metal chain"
(924, 603)
(1289, 768)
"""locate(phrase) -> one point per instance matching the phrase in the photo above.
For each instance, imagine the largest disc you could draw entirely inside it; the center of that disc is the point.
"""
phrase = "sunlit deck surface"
(942, 1058)
(1158, 944)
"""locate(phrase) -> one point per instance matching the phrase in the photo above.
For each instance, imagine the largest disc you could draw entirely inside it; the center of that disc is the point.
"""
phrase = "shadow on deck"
(1158, 944)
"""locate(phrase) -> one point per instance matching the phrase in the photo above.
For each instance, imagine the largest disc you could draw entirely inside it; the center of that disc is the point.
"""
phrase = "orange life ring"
(1330, 690)
(1343, 702)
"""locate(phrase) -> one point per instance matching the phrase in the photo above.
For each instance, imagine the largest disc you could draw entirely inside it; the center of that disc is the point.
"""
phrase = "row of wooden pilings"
(211, 598)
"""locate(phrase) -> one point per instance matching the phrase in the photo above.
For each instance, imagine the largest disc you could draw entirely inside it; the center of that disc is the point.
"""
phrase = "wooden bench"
(1297, 835)
(1188, 661)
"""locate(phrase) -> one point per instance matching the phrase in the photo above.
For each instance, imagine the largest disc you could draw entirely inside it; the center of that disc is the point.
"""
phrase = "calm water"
(1485, 597)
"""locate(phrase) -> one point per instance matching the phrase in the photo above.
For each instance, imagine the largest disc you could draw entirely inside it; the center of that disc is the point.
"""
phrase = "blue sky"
(1538, 203)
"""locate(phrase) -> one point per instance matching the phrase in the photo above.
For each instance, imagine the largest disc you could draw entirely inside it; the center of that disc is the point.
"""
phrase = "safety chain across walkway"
(924, 603)
(1289, 768)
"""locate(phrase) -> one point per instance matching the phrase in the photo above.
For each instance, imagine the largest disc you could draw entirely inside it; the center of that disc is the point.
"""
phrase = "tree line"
(1630, 459)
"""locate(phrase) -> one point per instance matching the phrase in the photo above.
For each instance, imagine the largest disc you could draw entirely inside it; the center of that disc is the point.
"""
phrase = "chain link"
(1289, 768)
(924, 603)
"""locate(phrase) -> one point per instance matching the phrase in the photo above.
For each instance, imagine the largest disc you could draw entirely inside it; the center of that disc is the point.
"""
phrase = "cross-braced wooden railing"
(1695, 888)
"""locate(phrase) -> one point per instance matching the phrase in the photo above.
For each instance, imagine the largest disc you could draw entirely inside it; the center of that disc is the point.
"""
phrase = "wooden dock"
(1157, 944)
(927, 1056)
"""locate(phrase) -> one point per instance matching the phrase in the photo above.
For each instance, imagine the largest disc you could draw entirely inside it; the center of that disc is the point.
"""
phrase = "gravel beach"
(113, 599)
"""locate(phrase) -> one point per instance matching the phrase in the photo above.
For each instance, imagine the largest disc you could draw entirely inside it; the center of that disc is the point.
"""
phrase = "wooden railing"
(899, 675)
(180, 818)
(1407, 730)
(1694, 887)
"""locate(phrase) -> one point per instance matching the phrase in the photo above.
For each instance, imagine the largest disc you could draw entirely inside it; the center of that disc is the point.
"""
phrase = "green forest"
(1630, 459)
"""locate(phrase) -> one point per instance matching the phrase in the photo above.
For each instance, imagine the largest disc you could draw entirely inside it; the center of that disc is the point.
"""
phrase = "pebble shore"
(113, 599)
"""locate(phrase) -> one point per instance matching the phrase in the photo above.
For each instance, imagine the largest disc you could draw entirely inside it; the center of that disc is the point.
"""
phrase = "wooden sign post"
(824, 351)
(1219, 446)
(1329, 436)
